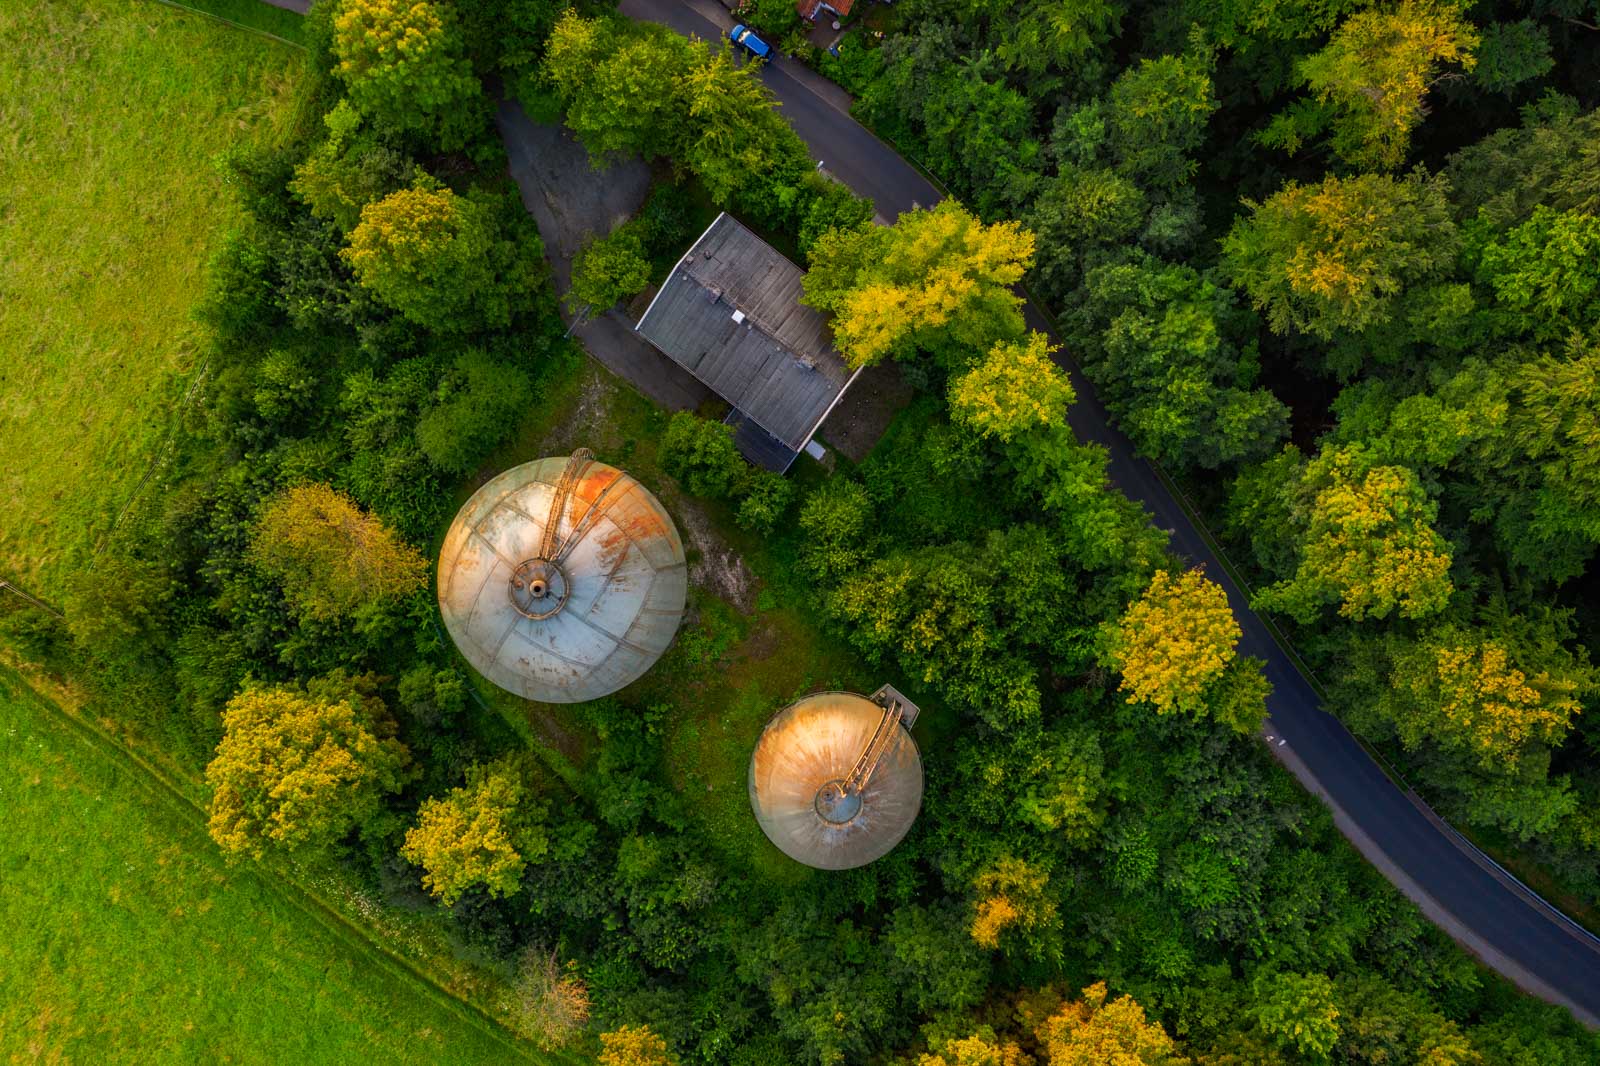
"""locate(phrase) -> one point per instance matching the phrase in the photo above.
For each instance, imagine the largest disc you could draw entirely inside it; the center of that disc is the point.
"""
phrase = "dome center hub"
(837, 805)
(538, 589)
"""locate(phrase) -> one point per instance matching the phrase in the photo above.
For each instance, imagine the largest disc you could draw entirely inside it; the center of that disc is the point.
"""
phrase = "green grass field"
(111, 115)
(124, 937)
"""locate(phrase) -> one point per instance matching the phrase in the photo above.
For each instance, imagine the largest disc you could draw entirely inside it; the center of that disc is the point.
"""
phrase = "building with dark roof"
(730, 314)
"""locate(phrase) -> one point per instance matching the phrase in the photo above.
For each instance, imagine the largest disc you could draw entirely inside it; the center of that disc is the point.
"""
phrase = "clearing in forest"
(110, 205)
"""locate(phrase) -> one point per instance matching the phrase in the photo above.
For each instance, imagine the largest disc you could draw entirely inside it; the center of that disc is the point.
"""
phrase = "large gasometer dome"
(562, 580)
(836, 780)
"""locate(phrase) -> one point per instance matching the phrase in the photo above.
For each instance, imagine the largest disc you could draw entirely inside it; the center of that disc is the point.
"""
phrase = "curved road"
(1490, 913)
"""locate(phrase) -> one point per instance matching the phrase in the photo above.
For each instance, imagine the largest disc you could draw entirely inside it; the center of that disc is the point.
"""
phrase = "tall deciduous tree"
(938, 280)
(1367, 543)
(1156, 116)
(1011, 900)
(1176, 650)
(441, 260)
(1370, 82)
(618, 84)
(484, 833)
(1165, 362)
(1334, 256)
(331, 557)
(1468, 692)
(301, 768)
(1297, 1011)
(1016, 390)
(405, 65)
(1095, 1030)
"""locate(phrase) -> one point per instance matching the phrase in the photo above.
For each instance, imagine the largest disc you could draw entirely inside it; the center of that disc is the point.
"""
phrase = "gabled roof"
(730, 314)
(808, 8)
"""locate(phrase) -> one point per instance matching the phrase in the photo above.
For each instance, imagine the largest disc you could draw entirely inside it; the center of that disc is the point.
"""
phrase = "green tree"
(1367, 543)
(939, 614)
(1512, 53)
(332, 559)
(405, 65)
(1156, 116)
(736, 138)
(1297, 1011)
(938, 280)
(1334, 257)
(476, 404)
(1055, 33)
(300, 768)
(936, 964)
(1078, 216)
(441, 260)
(483, 833)
(352, 167)
(1165, 363)
(1545, 274)
(609, 269)
(617, 84)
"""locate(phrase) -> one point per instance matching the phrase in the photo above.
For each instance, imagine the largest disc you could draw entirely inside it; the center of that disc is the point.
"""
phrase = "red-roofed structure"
(809, 8)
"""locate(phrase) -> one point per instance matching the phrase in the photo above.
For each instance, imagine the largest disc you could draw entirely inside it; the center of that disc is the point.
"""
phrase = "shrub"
(302, 767)
(478, 404)
(609, 269)
(331, 557)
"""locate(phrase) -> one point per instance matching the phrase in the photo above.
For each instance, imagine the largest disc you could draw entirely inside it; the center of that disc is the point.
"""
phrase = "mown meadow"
(126, 937)
(112, 115)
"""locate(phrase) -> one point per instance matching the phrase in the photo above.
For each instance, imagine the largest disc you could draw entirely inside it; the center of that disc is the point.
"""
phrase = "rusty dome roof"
(812, 747)
(566, 610)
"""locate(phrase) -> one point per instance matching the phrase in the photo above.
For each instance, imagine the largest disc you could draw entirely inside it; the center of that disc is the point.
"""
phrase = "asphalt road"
(1488, 912)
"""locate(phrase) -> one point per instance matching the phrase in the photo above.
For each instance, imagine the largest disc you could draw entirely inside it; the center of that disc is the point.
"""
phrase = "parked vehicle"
(744, 37)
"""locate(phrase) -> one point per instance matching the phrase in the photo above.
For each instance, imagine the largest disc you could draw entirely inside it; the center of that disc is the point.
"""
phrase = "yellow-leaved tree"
(1371, 80)
(1465, 691)
(405, 64)
(1010, 896)
(1015, 390)
(1176, 650)
(938, 280)
(331, 557)
(977, 1050)
(1092, 1031)
(634, 1045)
(1367, 543)
(302, 767)
(484, 833)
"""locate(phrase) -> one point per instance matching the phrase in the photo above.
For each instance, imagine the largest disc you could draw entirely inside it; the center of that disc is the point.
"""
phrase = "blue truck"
(745, 37)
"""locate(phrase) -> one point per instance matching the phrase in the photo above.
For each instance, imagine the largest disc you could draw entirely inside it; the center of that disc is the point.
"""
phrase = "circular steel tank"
(800, 781)
(574, 614)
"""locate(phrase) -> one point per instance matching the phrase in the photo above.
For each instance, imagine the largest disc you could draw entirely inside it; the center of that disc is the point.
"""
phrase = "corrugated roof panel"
(778, 365)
